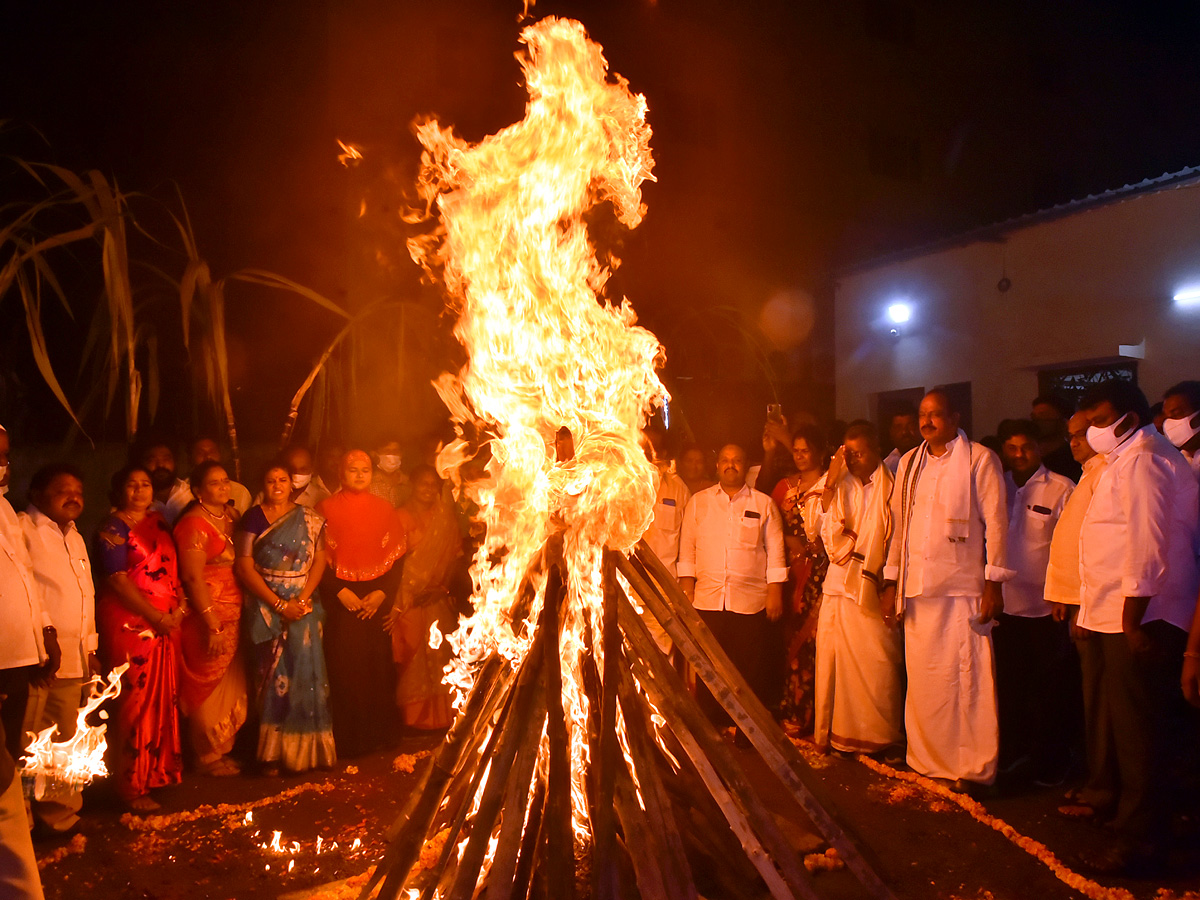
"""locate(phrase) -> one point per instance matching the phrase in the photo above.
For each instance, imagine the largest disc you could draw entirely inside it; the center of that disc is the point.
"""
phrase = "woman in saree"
(434, 544)
(365, 540)
(212, 688)
(807, 563)
(138, 613)
(280, 561)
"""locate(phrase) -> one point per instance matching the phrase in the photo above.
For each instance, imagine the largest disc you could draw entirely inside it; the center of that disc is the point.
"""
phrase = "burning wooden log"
(632, 811)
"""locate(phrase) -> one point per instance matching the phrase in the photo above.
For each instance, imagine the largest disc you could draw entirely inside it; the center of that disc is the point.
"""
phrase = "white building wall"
(1082, 285)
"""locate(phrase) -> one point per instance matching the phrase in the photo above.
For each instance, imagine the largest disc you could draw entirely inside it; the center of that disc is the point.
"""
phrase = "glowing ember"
(73, 763)
(547, 349)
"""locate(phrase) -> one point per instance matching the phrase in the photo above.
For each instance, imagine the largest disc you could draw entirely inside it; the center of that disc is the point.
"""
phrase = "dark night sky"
(789, 136)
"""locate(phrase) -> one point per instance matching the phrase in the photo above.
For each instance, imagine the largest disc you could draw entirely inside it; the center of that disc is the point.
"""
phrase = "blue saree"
(295, 728)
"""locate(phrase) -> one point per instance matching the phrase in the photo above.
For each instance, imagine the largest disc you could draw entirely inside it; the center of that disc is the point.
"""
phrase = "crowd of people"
(301, 610)
(973, 610)
(1016, 608)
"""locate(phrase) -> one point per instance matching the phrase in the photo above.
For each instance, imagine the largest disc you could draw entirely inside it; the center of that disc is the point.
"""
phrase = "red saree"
(212, 690)
(145, 745)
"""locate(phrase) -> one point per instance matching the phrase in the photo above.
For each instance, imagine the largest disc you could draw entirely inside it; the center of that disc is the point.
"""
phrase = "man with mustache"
(945, 565)
(62, 571)
(732, 568)
(171, 494)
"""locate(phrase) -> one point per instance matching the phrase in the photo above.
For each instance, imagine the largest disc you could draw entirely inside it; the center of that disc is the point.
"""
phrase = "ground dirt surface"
(923, 844)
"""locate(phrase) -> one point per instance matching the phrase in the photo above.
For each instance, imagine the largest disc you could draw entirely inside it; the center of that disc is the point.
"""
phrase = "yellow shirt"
(1062, 572)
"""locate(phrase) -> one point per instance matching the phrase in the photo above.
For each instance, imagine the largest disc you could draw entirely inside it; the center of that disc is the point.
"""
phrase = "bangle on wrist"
(1191, 654)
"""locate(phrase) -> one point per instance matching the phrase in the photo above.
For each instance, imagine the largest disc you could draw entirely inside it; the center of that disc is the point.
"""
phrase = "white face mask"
(1180, 431)
(389, 462)
(300, 482)
(1105, 440)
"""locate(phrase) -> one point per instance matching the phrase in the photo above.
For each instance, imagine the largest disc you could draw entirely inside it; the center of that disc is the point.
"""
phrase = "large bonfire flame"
(578, 753)
(546, 351)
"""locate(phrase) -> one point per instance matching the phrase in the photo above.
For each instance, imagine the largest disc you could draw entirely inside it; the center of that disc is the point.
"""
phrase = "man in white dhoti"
(946, 563)
(859, 688)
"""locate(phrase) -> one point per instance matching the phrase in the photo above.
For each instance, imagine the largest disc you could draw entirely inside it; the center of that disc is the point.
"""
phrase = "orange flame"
(72, 763)
(547, 349)
(351, 154)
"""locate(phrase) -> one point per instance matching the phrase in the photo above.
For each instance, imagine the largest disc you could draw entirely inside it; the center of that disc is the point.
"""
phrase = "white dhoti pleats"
(859, 685)
(950, 710)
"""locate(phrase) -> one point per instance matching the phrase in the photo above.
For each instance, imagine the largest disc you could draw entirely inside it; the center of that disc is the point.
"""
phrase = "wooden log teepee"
(666, 796)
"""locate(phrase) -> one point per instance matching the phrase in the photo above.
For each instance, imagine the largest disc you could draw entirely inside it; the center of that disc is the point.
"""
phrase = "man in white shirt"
(669, 504)
(904, 434)
(946, 562)
(1138, 592)
(732, 568)
(1181, 425)
(62, 571)
(28, 643)
(860, 658)
(201, 450)
(171, 494)
(1032, 648)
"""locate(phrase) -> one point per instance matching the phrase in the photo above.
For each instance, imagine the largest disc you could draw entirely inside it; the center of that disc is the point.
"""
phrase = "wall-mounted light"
(899, 313)
(1188, 297)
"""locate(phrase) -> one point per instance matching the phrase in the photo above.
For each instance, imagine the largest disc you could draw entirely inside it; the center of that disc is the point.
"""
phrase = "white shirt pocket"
(748, 529)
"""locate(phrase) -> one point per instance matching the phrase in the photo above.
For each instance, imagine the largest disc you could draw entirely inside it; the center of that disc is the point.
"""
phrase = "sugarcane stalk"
(697, 644)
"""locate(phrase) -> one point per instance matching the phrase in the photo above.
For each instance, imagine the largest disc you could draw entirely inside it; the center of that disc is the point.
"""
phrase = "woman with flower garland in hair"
(138, 613)
(280, 561)
(212, 691)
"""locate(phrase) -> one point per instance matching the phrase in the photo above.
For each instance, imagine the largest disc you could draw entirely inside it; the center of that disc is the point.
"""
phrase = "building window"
(894, 155)
(1071, 383)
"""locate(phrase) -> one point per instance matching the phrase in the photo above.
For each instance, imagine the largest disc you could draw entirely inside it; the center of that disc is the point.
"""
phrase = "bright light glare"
(900, 313)
(1188, 297)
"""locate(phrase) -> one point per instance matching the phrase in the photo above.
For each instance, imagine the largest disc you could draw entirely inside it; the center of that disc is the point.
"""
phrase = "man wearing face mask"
(306, 491)
(171, 494)
(1139, 577)
(388, 479)
(1181, 406)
